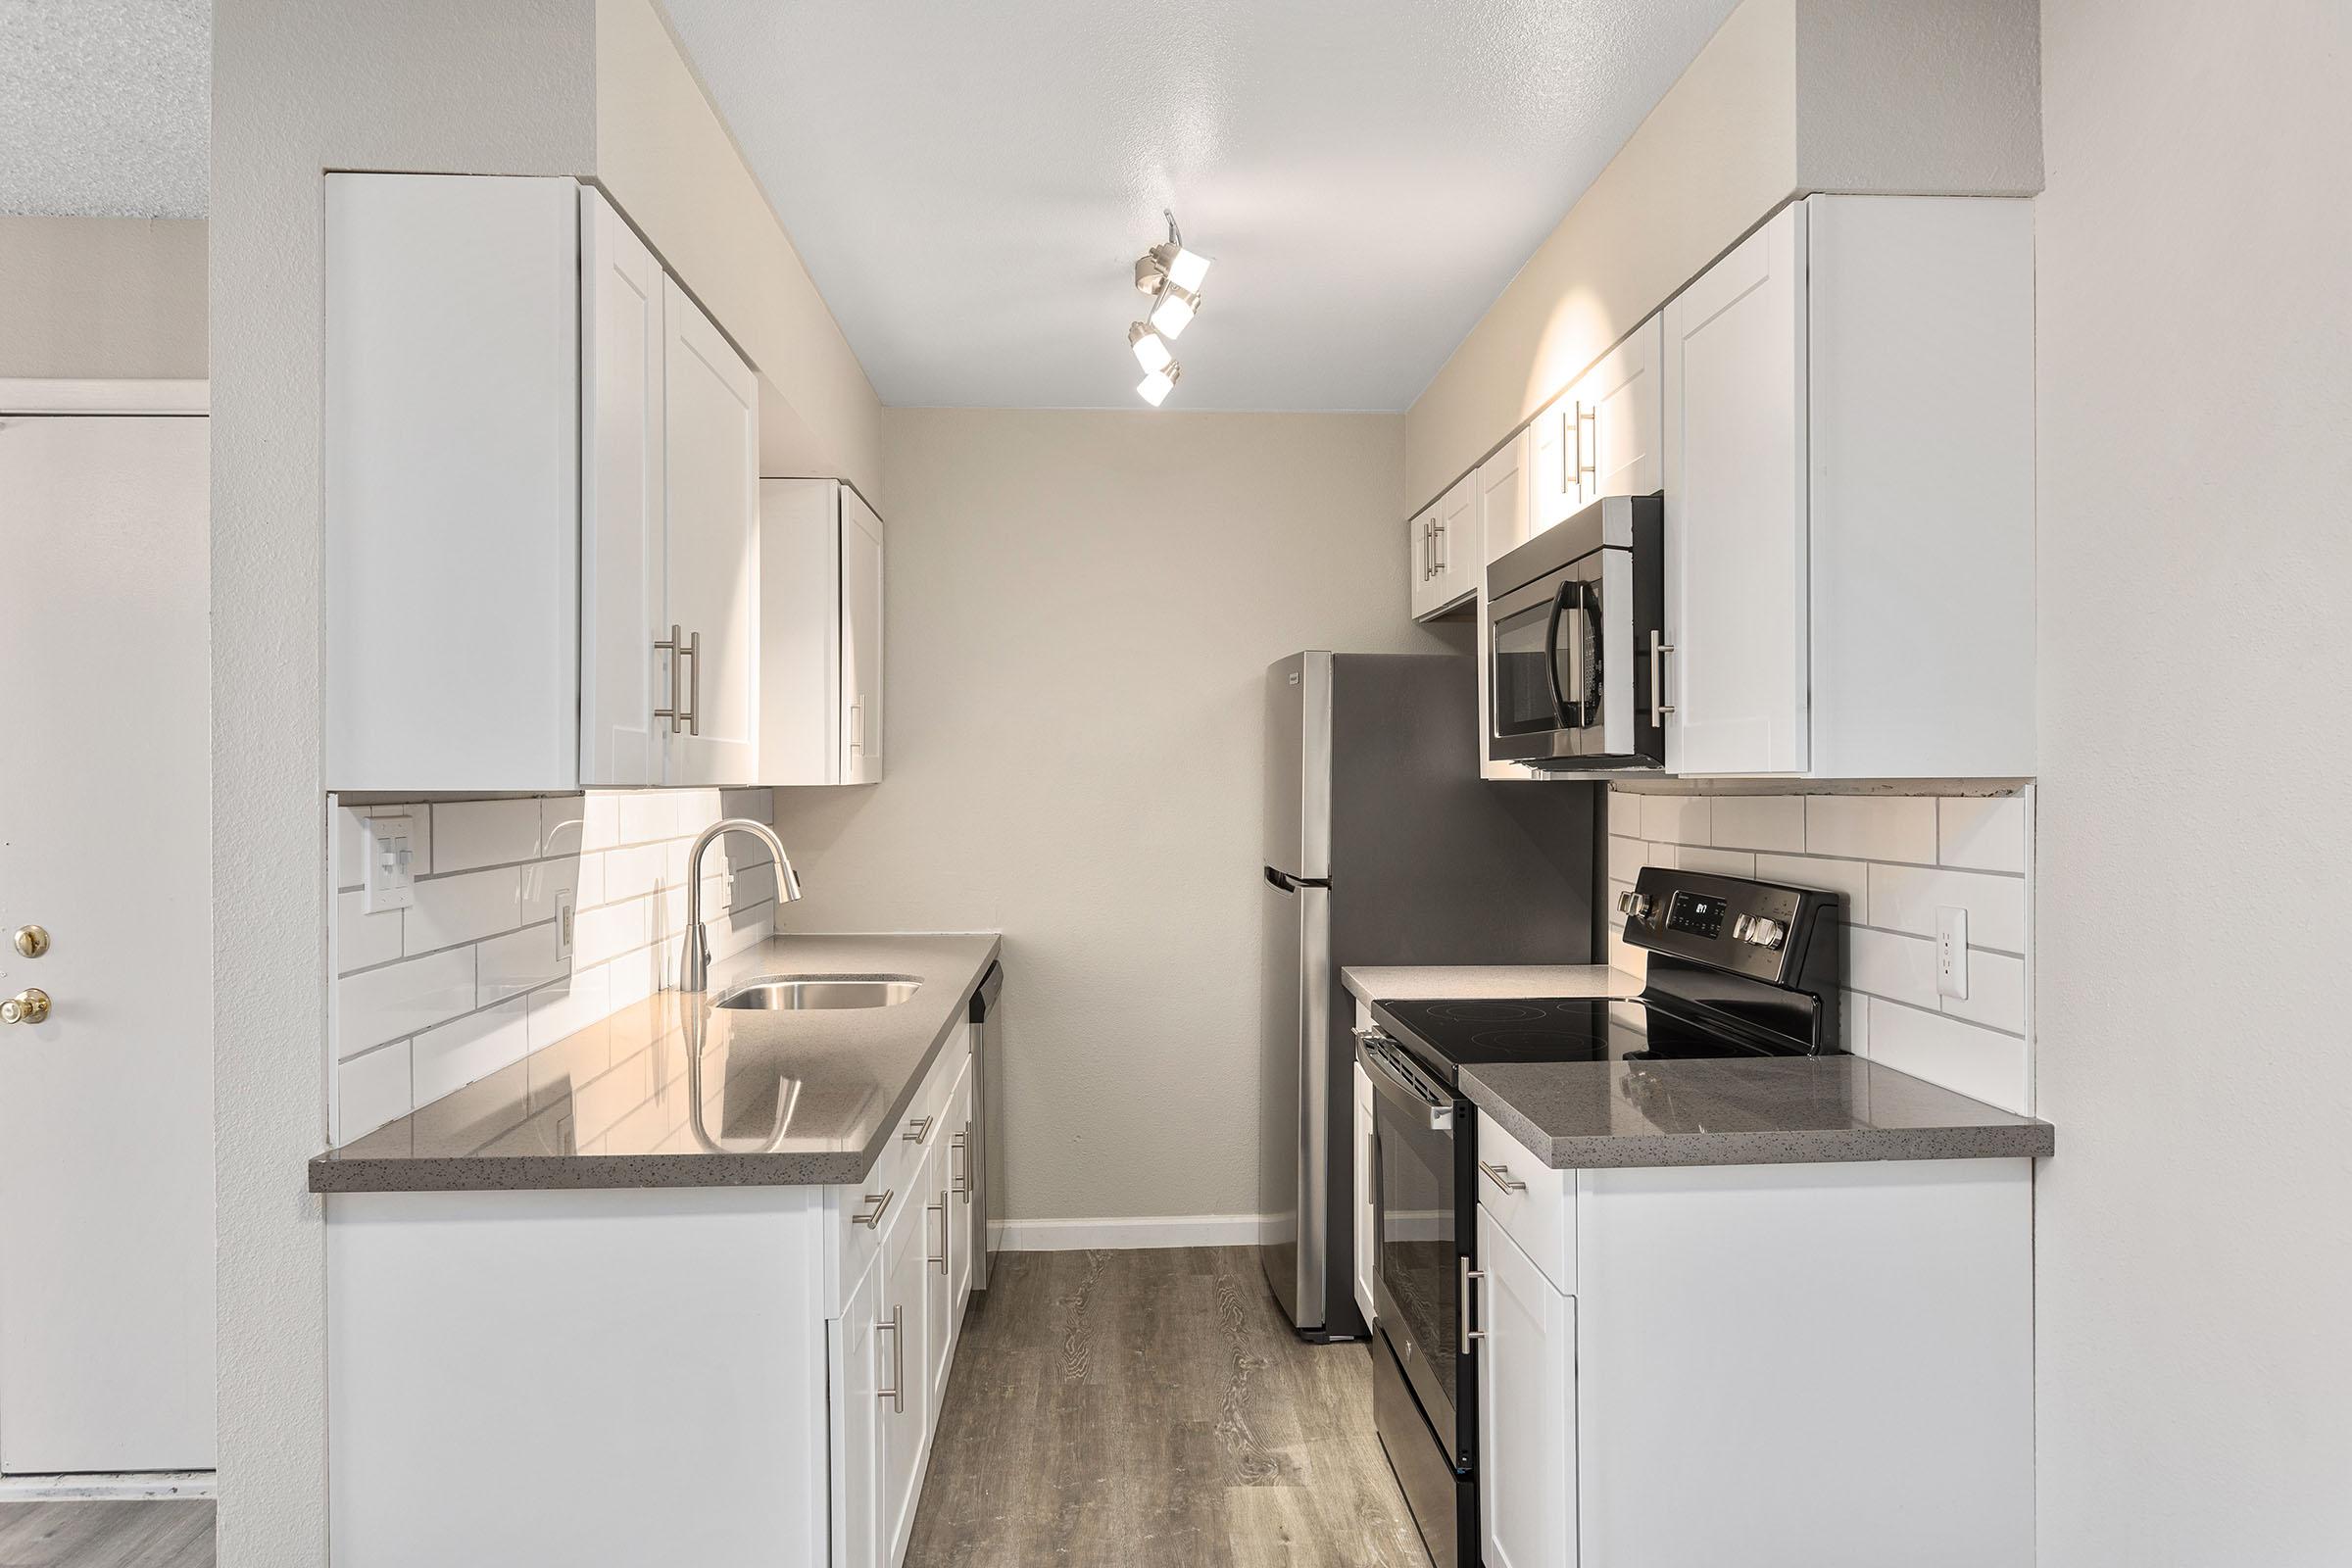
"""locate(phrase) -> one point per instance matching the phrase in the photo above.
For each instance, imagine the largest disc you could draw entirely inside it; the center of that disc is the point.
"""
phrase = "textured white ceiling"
(105, 107)
(969, 181)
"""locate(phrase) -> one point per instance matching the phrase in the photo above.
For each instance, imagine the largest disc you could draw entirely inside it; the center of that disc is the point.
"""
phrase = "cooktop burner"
(1444, 1035)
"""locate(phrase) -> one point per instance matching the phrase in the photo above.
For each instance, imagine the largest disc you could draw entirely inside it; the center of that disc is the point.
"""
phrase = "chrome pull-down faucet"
(694, 964)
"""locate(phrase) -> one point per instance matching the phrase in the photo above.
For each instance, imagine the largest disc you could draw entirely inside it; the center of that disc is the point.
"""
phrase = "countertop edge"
(506, 1173)
(2029, 1138)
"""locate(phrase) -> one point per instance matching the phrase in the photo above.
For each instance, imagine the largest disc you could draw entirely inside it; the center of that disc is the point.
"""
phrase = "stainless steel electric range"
(1736, 968)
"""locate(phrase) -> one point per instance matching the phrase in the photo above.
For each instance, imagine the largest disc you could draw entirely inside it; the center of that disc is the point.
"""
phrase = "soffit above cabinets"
(969, 184)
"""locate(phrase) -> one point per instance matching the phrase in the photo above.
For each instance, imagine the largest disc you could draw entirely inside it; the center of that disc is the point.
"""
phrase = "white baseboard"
(1084, 1235)
(108, 1487)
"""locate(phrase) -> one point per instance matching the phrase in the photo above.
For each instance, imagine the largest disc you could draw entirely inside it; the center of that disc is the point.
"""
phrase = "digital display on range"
(1697, 913)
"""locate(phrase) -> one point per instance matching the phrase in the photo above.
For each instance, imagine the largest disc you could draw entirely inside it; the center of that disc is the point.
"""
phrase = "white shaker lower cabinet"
(1781, 1367)
(822, 550)
(732, 1377)
(1367, 1172)
(540, 456)
(1849, 482)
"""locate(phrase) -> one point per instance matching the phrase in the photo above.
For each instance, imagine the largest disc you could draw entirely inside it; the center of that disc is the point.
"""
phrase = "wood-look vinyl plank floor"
(171, 1533)
(1153, 1409)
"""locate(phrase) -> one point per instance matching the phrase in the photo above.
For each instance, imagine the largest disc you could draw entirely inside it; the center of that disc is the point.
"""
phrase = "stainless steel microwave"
(1576, 618)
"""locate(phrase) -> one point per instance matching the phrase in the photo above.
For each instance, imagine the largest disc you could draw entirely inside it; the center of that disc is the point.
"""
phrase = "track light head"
(1154, 387)
(1151, 351)
(1174, 310)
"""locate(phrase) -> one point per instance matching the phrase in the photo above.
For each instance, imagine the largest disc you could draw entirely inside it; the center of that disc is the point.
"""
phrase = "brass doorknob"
(25, 1006)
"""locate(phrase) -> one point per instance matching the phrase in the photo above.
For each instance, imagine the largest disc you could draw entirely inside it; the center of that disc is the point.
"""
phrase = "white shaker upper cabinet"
(1621, 410)
(1501, 504)
(1849, 479)
(453, 472)
(1738, 598)
(624, 590)
(822, 550)
(710, 424)
(1421, 541)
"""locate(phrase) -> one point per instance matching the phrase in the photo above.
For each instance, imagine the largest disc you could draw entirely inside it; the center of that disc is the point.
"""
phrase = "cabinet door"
(711, 417)
(1737, 593)
(904, 1397)
(963, 1149)
(623, 678)
(861, 550)
(1460, 562)
(939, 1261)
(1554, 487)
(859, 1366)
(1367, 1165)
(1421, 538)
(1621, 406)
(1501, 504)
(800, 631)
(1527, 1409)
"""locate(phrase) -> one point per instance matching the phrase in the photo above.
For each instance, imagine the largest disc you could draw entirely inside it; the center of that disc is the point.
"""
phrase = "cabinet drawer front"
(1535, 1204)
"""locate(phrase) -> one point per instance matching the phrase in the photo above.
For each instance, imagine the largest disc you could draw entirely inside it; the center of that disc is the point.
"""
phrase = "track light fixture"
(1171, 275)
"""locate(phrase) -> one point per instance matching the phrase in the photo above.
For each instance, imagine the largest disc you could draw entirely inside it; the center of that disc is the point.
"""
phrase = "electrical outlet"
(1951, 952)
(389, 879)
(564, 909)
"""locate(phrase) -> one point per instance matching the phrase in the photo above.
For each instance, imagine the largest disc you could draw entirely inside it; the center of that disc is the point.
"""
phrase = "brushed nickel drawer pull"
(1501, 1176)
(881, 1202)
(896, 1394)
(918, 1129)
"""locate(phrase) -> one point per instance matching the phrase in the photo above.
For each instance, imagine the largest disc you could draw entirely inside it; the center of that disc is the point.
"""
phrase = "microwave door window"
(1522, 681)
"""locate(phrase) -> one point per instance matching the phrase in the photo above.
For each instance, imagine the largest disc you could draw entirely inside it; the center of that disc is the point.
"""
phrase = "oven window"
(1417, 1242)
(1523, 703)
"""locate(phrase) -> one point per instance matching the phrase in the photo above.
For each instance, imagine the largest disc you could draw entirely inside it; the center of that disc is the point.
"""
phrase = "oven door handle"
(1403, 1085)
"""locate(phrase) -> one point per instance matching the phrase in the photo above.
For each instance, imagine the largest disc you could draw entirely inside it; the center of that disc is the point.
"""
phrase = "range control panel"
(1760, 929)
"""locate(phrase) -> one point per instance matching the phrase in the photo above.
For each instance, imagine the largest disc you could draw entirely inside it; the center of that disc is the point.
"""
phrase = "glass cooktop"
(1445, 1034)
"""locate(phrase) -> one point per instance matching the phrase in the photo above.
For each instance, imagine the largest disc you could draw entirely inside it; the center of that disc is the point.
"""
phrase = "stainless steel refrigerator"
(1384, 847)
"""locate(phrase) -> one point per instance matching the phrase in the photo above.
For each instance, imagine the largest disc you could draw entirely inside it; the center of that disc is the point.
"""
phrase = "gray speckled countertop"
(669, 1091)
(1744, 1111)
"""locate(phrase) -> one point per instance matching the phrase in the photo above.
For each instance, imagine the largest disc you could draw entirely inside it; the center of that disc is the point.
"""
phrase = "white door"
(1460, 561)
(1737, 593)
(711, 428)
(905, 1419)
(1421, 537)
(1622, 408)
(1552, 483)
(861, 587)
(939, 1261)
(1527, 1409)
(623, 679)
(962, 1182)
(106, 1105)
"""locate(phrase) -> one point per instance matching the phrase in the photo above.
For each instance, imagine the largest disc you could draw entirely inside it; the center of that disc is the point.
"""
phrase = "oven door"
(1417, 1288)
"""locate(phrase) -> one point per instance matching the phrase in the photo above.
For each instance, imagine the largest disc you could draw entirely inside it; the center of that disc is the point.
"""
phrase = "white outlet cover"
(388, 880)
(564, 923)
(1951, 952)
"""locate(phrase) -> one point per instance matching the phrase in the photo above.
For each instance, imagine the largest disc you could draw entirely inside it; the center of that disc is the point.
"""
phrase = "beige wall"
(435, 85)
(102, 298)
(1788, 97)
(1081, 611)
(2193, 1271)
(668, 160)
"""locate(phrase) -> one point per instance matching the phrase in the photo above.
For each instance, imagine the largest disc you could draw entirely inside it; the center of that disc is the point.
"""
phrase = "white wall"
(2194, 1231)
(1081, 611)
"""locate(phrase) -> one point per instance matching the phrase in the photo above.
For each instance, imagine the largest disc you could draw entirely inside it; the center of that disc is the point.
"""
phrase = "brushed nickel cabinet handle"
(1501, 1176)
(918, 1129)
(961, 1175)
(1588, 470)
(941, 1209)
(694, 687)
(1659, 648)
(896, 1328)
(881, 1202)
(674, 645)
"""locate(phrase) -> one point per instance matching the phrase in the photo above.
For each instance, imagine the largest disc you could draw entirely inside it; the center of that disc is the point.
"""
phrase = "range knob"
(1766, 933)
(1634, 906)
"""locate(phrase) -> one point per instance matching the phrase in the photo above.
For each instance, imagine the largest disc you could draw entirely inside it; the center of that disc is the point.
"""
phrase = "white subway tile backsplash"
(1982, 834)
(400, 998)
(1881, 852)
(446, 1060)
(452, 909)
(371, 1089)
(475, 833)
(1849, 877)
(1760, 822)
(518, 961)
(1676, 818)
(1905, 898)
(363, 940)
(1871, 827)
(1984, 1063)
(481, 934)
(1720, 862)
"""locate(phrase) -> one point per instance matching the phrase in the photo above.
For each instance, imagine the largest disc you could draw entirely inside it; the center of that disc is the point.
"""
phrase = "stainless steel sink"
(809, 993)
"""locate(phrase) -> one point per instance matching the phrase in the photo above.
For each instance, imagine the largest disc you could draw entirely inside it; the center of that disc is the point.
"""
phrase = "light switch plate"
(1951, 952)
(389, 879)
